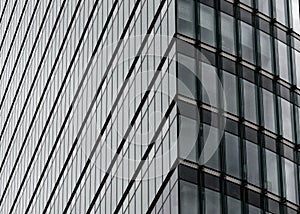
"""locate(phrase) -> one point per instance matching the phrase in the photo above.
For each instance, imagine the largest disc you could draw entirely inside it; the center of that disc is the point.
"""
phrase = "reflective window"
(212, 202)
(297, 67)
(290, 181)
(265, 51)
(269, 110)
(188, 197)
(207, 24)
(186, 79)
(247, 42)
(210, 136)
(186, 17)
(282, 61)
(272, 171)
(253, 209)
(287, 121)
(209, 75)
(250, 100)
(296, 15)
(230, 91)
(253, 170)
(187, 138)
(232, 153)
(281, 11)
(233, 206)
(228, 33)
(247, 2)
(264, 6)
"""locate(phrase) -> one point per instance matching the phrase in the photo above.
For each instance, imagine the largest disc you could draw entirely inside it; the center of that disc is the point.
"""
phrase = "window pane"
(287, 127)
(269, 110)
(253, 172)
(283, 64)
(264, 6)
(290, 181)
(272, 171)
(212, 202)
(213, 161)
(187, 138)
(247, 2)
(233, 205)
(297, 67)
(186, 18)
(250, 99)
(208, 74)
(253, 209)
(228, 33)
(207, 24)
(233, 160)
(265, 51)
(188, 197)
(281, 13)
(247, 42)
(296, 15)
(186, 76)
(230, 90)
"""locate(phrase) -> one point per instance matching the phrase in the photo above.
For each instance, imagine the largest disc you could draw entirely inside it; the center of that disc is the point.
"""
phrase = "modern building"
(150, 106)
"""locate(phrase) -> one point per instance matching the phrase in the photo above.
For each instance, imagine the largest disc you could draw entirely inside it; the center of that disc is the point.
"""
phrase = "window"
(272, 171)
(250, 100)
(290, 180)
(253, 169)
(210, 137)
(209, 75)
(297, 67)
(232, 154)
(264, 7)
(207, 24)
(186, 17)
(230, 91)
(265, 51)
(212, 202)
(247, 42)
(286, 115)
(282, 61)
(188, 197)
(187, 139)
(269, 110)
(296, 15)
(228, 33)
(233, 206)
(186, 77)
(281, 11)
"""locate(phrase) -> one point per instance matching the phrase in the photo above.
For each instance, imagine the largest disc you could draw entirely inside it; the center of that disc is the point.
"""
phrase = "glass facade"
(150, 106)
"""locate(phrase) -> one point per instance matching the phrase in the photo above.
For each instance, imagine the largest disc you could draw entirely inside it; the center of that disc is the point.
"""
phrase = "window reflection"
(264, 6)
(207, 24)
(230, 89)
(232, 152)
(233, 206)
(228, 33)
(253, 172)
(290, 181)
(286, 114)
(212, 202)
(247, 42)
(282, 61)
(186, 17)
(297, 67)
(186, 78)
(250, 99)
(272, 171)
(269, 110)
(281, 11)
(188, 197)
(208, 75)
(265, 51)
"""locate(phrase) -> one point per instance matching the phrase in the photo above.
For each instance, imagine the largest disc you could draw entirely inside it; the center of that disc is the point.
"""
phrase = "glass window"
(208, 74)
(290, 181)
(286, 115)
(207, 24)
(247, 42)
(186, 18)
(265, 51)
(269, 110)
(247, 2)
(233, 206)
(297, 67)
(228, 33)
(188, 197)
(187, 138)
(186, 77)
(282, 61)
(212, 202)
(272, 171)
(281, 11)
(250, 100)
(264, 7)
(253, 209)
(230, 90)
(213, 141)
(232, 150)
(253, 172)
(296, 15)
